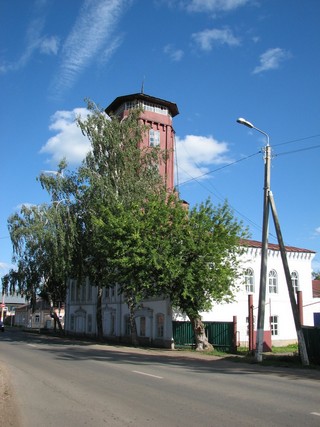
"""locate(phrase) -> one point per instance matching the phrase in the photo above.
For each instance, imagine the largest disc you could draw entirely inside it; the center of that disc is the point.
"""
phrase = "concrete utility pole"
(269, 201)
(264, 249)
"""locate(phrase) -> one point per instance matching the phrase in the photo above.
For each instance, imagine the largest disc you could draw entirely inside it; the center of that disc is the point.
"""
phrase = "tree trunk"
(99, 314)
(202, 343)
(57, 321)
(133, 325)
(54, 315)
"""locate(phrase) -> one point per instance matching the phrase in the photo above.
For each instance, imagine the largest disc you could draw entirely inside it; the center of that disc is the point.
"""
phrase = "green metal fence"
(220, 334)
(312, 339)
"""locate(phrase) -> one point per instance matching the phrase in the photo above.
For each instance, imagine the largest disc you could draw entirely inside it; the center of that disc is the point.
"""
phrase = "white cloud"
(197, 154)
(208, 38)
(34, 42)
(90, 35)
(49, 45)
(68, 142)
(317, 230)
(174, 54)
(271, 60)
(214, 5)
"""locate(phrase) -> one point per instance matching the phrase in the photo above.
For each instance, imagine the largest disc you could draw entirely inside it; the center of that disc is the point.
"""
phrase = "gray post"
(264, 254)
(295, 312)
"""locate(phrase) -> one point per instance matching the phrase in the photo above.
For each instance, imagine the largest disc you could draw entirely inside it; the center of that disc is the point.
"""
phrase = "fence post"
(300, 306)
(250, 323)
(235, 327)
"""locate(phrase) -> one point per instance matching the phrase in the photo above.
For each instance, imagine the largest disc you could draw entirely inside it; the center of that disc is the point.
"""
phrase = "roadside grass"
(287, 356)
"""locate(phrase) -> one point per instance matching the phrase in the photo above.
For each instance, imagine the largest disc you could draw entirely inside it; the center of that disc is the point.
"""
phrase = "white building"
(154, 318)
(278, 313)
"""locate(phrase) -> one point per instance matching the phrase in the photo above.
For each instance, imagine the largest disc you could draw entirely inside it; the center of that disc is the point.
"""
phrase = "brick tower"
(157, 116)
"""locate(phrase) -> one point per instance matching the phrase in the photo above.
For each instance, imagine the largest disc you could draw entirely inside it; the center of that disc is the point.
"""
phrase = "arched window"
(249, 280)
(273, 282)
(295, 281)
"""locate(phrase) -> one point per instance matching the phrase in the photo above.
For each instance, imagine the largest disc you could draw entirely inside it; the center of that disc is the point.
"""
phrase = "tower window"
(154, 138)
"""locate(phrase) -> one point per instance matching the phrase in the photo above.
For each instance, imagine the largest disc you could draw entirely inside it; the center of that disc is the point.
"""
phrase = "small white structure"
(154, 318)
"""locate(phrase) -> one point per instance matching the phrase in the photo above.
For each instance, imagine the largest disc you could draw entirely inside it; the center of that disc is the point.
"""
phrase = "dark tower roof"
(112, 108)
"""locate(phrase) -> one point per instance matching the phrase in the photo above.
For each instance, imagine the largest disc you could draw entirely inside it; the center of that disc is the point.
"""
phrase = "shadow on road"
(73, 350)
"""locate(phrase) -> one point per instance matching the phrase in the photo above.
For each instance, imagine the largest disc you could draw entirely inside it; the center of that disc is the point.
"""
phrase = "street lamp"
(264, 249)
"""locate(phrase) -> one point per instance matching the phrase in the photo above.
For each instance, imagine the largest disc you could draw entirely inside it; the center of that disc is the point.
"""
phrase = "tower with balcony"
(157, 115)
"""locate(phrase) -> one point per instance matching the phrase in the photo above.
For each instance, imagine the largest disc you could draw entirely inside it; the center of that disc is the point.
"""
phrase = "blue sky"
(216, 59)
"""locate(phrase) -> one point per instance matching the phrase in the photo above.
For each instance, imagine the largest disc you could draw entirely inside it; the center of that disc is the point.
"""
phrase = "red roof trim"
(274, 247)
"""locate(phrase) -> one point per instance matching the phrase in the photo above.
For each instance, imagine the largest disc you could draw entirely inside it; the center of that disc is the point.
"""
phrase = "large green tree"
(208, 262)
(160, 249)
(118, 175)
(44, 240)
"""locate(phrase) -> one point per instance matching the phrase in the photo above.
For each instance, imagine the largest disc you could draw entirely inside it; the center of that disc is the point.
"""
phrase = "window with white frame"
(249, 280)
(273, 282)
(154, 138)
(142, 326)
(160, 325)
(295, 281)
(274, 325)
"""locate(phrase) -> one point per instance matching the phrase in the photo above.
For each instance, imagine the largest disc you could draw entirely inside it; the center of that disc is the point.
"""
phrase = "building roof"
(316, 288)
(13, 299)
(141, 97)
(274, 247)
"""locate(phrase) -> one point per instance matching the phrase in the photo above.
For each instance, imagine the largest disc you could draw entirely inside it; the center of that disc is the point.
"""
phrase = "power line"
(220, 168)
(296, 140)
(297, 151)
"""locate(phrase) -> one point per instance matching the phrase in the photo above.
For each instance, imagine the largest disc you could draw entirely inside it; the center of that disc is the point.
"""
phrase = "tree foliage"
(113, 221)
(43, 239)
(316, 275)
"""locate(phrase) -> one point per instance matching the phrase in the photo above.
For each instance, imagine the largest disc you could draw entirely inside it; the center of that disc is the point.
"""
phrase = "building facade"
(157, 116)
(154, 317)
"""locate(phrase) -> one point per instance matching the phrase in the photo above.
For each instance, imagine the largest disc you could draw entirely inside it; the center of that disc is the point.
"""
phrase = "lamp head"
(245, 122)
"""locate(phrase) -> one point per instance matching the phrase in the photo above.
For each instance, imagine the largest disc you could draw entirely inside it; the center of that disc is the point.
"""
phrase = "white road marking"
(32, 345)
(315, 413)
(148, 375)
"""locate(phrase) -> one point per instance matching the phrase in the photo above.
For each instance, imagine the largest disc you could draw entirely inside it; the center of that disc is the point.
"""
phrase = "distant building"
(8, 307)
(38, 317)
(316, 304)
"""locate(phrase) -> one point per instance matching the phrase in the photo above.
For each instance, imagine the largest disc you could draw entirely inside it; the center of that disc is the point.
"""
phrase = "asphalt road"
(73, 383)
